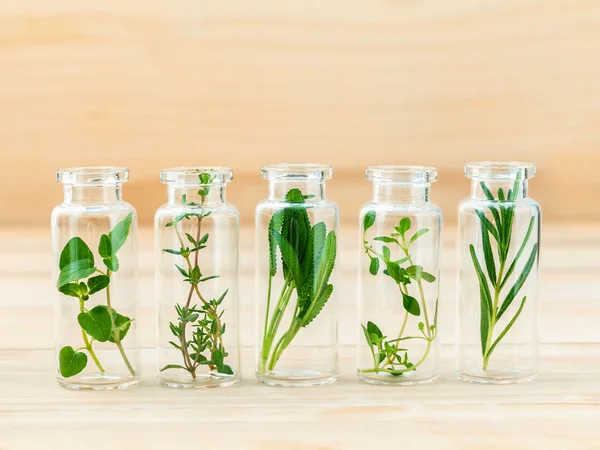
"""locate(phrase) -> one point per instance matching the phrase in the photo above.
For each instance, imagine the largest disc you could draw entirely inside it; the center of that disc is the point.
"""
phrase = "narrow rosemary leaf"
(486, 222)
(523, 245)
(497, 219)
(510, 324)
(485, 318)
(486, 191)
(488, 254)
(369, 220)
(501, 195)
(485, 297)
(520, 282)
(172, 366)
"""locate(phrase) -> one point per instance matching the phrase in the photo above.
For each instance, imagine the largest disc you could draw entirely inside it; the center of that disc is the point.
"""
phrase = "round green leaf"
(96, 323)
(98, 283)
(374, 266)
(369, 220)
(77, 270)
(71, 362)
(411, 305)
(75, 250)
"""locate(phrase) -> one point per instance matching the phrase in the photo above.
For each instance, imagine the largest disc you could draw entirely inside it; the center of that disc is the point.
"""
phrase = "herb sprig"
(492, 310)
(308, 256)
(205, 347)
(101, 323)
(388, 356)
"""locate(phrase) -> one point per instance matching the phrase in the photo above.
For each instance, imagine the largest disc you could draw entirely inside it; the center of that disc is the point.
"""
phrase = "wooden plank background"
(157, 83)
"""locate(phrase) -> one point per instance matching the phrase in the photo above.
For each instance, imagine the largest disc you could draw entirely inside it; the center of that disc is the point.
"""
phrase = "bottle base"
(298, 378)
(202, 382)
(390, 380)
(497, 376)
(99, 382)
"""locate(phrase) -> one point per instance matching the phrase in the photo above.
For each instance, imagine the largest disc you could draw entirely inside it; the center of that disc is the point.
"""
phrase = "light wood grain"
(152, 84)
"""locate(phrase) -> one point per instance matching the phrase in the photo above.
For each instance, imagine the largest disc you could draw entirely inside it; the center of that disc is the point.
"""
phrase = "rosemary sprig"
(205, 347)
(388, 357)
(492, 286)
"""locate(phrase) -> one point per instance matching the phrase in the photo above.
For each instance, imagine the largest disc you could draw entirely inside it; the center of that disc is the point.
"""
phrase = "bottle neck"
(214, 197)
(401, 194)
(93, 195)
(278, 189)
(495, 186)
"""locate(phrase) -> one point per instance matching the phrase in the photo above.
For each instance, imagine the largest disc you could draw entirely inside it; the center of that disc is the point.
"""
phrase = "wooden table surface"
(560, 409)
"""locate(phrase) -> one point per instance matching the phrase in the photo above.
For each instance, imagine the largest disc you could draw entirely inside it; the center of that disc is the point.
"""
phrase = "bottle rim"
(296, 172)
(93, 175)
(192, 175)
(491, 170)
(399, 174)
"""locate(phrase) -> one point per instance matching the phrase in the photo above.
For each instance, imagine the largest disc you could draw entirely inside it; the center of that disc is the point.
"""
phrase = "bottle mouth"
(93, 176)
(391, 174)
(501, 171)
(297, 172)
(196, 176)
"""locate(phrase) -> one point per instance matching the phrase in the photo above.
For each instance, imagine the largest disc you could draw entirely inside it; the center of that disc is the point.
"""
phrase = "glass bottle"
(296, 288)
(94, 237)
(499, 235)
(399, 269)
(197, 235)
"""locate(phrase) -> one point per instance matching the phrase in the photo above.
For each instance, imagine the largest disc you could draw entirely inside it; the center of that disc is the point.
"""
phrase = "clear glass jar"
(94, 237)
(399, 268)
(197, 235)
(498, 244)
(296, 289)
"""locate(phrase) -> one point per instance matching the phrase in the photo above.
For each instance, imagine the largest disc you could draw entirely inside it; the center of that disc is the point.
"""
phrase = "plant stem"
(497, 289)
(88, 344)
(410, 369)
(116, 333)
(282, 302)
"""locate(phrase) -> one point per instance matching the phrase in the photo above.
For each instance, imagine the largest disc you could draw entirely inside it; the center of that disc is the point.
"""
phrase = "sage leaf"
(71, 362)
(274, 226)
(75, 250)
(77, 270)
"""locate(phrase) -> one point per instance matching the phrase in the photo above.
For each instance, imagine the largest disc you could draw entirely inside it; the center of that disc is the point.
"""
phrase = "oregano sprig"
(492, 286)
(102, 323)
(205, 345)
(307, 259)
(388, 356)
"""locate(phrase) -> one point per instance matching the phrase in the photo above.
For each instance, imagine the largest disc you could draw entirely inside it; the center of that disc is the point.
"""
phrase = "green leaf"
(71, 362)
(105, 247)
(374, 266)
(122, 325)
(75, 250)
(289, 256)
(225, 369)
(508, 326)
(96, 284)
(485, 301)
(112, 263)
(171, 251)
(182, 271)
(73, 290)
(417, 235)
(217, 357)
(190, 238)
(374, 329)
(403, 226)
(520, 252)
(394, 271)
(367, 337)
(520, 281)
(119, 233)
(317, 305)
(411, 304)
(490, 227)
(294, 196)
(369, 220)
(501, 194)
(486, 192)
(488, 255)
(387, 240)
(96, 323)
(172, 366)
(195, 274)
(77, 270)
(274, 226)
(387, 254)
(418, 273)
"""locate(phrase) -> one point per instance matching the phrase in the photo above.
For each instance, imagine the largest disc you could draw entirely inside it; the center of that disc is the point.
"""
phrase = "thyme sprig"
(388, 356)
(492, 310)
(205, 346)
